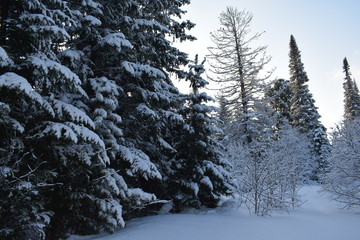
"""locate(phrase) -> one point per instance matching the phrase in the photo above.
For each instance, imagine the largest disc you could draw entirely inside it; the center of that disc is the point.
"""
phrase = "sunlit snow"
(318, 218)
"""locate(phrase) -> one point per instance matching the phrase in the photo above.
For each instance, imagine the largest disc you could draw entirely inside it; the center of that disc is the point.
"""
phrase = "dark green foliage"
(351, 94)
(90, 116)
(304, 114)
(280, 99)
(198, 175)
(30, 87)
(22, 178)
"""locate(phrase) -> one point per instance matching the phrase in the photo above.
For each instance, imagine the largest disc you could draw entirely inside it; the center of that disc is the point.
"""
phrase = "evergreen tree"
(304, 114)
(351, 94)
(198, 168)
(37, 91)
(23, 213)
(279, 95)
(224, 113)
(91, 117)
(60, 138)
(150, 101)
(96, 54)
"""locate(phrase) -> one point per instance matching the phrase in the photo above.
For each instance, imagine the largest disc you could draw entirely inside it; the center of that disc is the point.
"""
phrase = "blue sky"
(325, 30)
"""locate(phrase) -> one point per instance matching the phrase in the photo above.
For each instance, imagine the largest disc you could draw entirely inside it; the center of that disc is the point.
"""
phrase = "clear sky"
(326, 31)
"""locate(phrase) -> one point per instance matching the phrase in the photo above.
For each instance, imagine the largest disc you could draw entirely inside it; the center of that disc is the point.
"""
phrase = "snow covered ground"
(318, 218)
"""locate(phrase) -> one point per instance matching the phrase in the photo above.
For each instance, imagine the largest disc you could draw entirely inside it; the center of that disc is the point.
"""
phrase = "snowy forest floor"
(318, 218)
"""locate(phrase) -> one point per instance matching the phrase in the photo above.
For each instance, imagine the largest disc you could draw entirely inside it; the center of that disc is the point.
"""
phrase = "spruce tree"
(304, 114)
(23, 212)
(150, 101)
(224, 113)
(351, 94)
(60, 138)
(198, 168)
(36, 90)
(96, 53)
(279, 95)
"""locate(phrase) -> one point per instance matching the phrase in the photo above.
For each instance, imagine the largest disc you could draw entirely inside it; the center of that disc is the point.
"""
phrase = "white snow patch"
(137, 193)
(137, 70)
(47, 66)
(17, 126)
(73, 113)
(15, 82)
(59, 130)
(72, 54)
(140, 163)
(206, 181)
(317, 219)
(151, 24)
(5, 171)
(92, 20)
(166, 145)
(117, 40)
(4, 59)
(24, 185)
(146, 111)
(86, 134)
(91, 3)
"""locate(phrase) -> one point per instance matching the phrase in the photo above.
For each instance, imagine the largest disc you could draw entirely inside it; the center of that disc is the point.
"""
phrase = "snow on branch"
(17, 126)
(37, 18)
(193, 186)
(140, 196)
(137, 70)
(206, 181)
(72, 112)
(13, 81)
(166, 145)
(111, 206)
(146, 111)
(91, 4)
(53, 30)
(173, 116)
(47, 66)
(72, 54)
(86, 134)
(92, 20)
(104, 85)
(4, 59)
(116, 40)
(59, 130)
(150, 24)
(140, 163)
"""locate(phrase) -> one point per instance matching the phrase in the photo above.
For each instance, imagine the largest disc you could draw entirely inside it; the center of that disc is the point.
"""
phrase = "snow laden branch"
(342, 179)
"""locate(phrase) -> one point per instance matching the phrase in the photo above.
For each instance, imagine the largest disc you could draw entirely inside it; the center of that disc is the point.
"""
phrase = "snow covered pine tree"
(199, 175)
(304, 114)
(38, 91)
(351, 94)
(343, 174)
(69, 70)
(96, 53)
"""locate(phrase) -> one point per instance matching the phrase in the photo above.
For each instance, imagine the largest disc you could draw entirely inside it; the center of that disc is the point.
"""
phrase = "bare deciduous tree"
(235, 63)
(343, 177)
(268, 176)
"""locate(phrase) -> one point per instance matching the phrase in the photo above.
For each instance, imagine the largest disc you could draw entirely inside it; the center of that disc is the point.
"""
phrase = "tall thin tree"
(304, 114)
(237, 65)
(351, 94)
